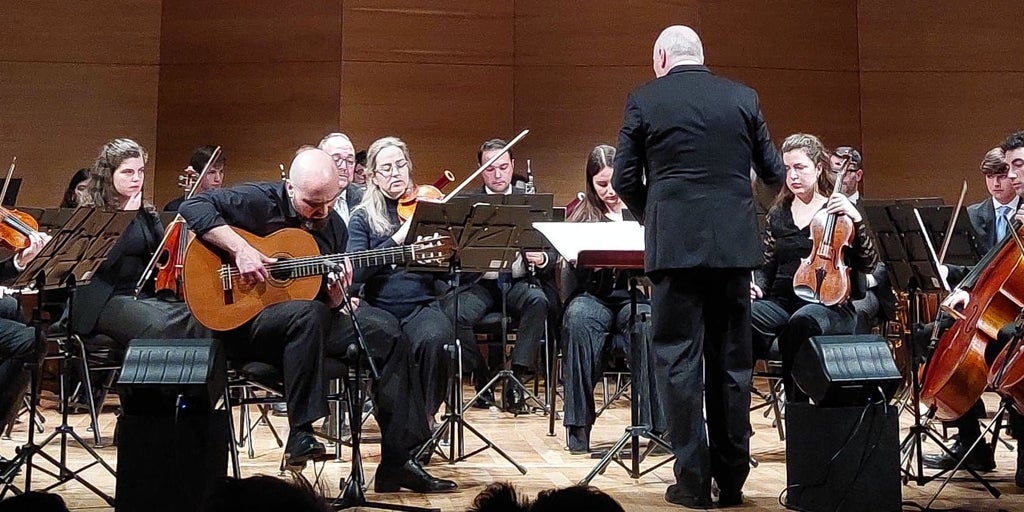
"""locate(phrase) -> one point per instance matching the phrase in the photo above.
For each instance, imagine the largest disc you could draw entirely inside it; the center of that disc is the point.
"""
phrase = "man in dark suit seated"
(526, 296)
(686, 146)
(340, 147)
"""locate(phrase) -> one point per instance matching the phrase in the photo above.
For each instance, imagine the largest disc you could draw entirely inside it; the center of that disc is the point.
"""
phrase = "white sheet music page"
(569, 238)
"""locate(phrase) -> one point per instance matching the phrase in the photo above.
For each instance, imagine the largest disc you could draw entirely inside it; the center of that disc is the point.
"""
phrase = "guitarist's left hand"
(337, 284)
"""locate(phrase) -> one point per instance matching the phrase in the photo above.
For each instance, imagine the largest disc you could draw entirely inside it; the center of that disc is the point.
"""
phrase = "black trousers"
(400, 398)
(289, 335)
(589, 326)
(525, 301)
(702, 347)
(794, 324)
(17, 348)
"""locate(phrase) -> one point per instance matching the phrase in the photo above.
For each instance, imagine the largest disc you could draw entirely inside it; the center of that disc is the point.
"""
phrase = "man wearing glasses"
(340, 147)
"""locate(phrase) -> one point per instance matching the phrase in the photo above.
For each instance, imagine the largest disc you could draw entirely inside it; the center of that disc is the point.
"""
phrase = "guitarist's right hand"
(252, 264)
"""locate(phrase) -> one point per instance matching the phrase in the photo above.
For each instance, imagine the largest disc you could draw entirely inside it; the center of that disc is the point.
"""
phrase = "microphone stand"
(353, 493)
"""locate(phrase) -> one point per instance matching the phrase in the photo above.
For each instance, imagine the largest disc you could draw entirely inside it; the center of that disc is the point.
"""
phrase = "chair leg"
(93, 412)
(236, 467)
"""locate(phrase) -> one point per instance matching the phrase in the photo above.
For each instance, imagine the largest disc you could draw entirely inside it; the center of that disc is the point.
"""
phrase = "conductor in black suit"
(685, 151)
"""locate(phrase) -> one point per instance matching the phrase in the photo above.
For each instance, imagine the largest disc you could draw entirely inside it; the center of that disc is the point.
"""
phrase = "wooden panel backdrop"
(943, 82)
(71, 79)
(925, 88)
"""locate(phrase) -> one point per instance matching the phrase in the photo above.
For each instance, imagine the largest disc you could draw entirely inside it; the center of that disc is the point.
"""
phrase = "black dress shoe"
(302, 447)
(409, 476)
(485, 400)
(514, 400)
(980, 459)
(676, 494)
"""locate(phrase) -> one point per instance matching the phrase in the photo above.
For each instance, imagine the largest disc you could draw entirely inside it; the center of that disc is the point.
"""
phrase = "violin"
(823, 277)
(16, 227)
(407, 203)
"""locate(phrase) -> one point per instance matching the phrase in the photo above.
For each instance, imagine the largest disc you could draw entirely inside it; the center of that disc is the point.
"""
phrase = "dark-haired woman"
(597, 315)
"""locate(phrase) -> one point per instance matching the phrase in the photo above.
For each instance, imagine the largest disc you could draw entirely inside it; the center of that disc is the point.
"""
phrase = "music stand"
(529, 239)
(485, 239)
(70, 258)
(622, 249)
(904, 244)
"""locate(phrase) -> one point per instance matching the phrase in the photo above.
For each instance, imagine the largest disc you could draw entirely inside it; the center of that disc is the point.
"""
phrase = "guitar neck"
(323, 264)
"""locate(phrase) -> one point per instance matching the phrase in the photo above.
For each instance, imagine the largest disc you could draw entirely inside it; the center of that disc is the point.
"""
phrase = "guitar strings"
(319, 260)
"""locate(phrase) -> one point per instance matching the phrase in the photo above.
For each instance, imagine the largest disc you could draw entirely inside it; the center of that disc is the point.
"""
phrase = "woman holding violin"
(107, 304)
(383, 220)
(780, 309)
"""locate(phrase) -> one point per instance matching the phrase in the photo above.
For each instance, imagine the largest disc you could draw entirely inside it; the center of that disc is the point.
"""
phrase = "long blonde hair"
(374, 200)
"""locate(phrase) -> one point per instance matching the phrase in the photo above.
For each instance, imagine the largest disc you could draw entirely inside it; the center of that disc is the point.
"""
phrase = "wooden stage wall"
(924, 88)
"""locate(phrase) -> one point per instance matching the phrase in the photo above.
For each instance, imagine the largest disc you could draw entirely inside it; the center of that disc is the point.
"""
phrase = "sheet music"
(569, 238)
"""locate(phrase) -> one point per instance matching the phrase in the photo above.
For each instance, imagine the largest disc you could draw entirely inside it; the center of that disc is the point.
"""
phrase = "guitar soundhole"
(280, 272)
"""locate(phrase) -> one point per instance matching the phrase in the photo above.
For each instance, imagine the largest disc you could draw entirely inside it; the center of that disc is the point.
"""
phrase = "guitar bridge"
(226, 284)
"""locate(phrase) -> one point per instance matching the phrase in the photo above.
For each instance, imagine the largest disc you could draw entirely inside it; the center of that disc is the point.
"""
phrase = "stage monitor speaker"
(172, 377)
(846, 370)
(168, 463)
(843, 459)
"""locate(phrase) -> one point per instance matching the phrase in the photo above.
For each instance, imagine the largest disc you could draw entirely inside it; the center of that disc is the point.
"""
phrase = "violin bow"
(7, 180)
(952, 223)
(485, 165)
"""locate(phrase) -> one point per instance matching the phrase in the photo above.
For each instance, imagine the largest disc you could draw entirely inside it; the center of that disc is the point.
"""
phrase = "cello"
(957, 373)
(169, 256)
(823, 277)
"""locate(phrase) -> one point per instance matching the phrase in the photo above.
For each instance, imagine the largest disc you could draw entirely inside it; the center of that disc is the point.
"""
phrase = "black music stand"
(636, 428)
(71, 258)
(485, 238)
(540, 210)
(905, 246)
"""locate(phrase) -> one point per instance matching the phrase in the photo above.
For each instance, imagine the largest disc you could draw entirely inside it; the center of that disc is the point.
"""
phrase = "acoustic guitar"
(221, 300)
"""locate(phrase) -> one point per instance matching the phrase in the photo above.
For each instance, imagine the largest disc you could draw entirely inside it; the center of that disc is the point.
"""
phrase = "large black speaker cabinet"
(166, 463)
(172, 377)
(846, 370)
(842, 459)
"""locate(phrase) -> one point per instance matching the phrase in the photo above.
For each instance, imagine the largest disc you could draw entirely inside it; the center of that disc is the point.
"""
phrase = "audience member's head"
(262, 493)
(502, 497)
(34, 501)
(576, 497)
(499, 497)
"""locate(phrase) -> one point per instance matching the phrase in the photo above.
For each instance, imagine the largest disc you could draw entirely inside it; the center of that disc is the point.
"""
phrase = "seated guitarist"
(297, 334)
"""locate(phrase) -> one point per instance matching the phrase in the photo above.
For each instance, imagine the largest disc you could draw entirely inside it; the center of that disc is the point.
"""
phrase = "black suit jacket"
(682, 167)
(983, 218)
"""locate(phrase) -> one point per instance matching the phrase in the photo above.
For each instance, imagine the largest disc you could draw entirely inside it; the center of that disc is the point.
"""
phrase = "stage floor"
(549, 465)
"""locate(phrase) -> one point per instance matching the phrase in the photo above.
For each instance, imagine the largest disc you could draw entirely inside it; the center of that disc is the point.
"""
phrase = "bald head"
(677, 45)
(313, 183)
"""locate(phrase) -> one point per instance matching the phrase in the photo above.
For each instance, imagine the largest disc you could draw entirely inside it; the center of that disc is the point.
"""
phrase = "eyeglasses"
(388, 169)
(502, 168)
(344, 162)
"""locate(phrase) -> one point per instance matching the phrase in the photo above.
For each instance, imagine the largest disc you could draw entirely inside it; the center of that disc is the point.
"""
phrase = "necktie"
(1001, 214)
